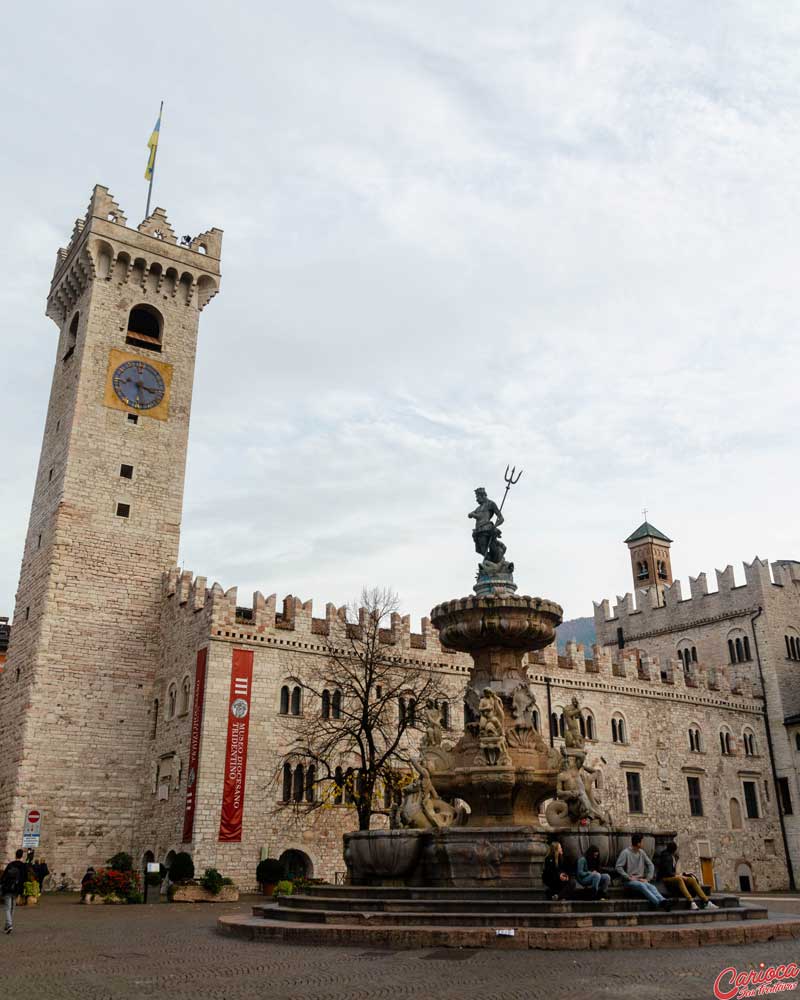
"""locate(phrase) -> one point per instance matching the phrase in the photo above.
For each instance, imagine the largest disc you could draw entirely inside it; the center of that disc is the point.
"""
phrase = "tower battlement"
(103, 247)
(265, 615)
(647, 611)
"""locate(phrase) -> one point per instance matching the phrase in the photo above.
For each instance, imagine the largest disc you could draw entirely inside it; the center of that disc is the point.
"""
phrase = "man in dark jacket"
(11, 882)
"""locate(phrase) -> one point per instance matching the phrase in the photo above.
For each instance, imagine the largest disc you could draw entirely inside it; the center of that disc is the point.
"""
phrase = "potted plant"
(213, 887)
(283, 888)
(30, 891)
(268, 873)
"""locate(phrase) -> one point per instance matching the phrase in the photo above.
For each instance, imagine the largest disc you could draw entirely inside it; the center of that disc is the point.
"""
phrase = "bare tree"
(356, 732)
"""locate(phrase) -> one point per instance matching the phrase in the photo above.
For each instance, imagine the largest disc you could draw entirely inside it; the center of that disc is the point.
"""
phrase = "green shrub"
(212, 881)
(182, 868)
(121, 862)
(269, 870)
(136, 897)
(283, 888)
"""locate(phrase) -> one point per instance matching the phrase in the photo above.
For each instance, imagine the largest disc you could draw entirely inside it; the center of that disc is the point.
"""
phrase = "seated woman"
(589, 876)
(555, 875)
(685, 885)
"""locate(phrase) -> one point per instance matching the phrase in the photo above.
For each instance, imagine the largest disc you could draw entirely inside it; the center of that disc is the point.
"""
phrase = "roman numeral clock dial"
(138, 385)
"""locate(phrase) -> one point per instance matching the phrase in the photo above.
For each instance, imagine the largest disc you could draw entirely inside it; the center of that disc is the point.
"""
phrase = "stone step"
(479, 918)
(362, 904)
(660, 935)
(471, 894)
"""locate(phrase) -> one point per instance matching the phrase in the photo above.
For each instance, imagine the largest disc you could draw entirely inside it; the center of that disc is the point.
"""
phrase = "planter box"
(197, 894)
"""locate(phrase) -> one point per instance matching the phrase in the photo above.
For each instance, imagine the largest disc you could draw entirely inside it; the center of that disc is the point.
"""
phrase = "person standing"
(636, 871)
(11, 882)
(589, 876)
(41, 871)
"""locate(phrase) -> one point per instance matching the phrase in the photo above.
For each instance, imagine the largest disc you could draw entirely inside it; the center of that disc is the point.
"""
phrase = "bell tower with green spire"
(650, 558)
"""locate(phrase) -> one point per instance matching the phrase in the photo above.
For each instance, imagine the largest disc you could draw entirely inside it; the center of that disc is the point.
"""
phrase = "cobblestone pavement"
(60, 950)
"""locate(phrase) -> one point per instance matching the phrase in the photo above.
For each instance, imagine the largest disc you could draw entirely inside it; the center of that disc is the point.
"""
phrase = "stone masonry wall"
(85, 637)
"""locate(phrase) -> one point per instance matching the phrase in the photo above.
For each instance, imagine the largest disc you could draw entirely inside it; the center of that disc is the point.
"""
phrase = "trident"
(510, 481)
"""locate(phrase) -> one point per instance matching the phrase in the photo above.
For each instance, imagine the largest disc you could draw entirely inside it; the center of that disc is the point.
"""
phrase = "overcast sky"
(461, 234)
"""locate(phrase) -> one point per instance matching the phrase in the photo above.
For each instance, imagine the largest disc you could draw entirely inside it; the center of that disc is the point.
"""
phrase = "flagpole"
(153, 171)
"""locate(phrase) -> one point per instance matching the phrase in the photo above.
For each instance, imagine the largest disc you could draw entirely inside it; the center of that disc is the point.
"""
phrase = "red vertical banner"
(230, 823)
(194, 744)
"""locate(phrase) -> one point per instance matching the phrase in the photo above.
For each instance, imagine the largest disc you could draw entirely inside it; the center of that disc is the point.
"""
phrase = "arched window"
(745, 876)
(155, 720)
(732, 650)
(739, 651)
(326, 704)
(589, 726)
(694, 739)
(614, 734)
(642, 571)
(284, 700)
(444, 708)
(553, 724)
(747, 655)
(582, 726)
(299, 783)
(725, 742)
(336, 705)
(536, 721)
(286, 792)
(402, 716)
(349, 786)
(310, 778)
(749, 741)
(186, 689)
(792, 646)
(618, 730)
(295, 701)
(145, 326)
(694, 654)
(172, 699)
(411, 709)
(796, 736)
(736, 814)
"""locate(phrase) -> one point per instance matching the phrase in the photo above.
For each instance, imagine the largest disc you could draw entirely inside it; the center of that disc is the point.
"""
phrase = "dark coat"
(13, 878)
(551, 876)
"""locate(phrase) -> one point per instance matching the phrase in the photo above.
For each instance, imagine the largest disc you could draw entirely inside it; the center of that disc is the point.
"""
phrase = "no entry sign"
(32, 828)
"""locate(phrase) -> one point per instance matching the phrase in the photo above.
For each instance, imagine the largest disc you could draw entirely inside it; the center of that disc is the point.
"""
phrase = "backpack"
(12, 880)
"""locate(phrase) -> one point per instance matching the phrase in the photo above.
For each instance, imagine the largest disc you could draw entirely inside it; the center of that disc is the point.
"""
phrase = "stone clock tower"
(76, 691)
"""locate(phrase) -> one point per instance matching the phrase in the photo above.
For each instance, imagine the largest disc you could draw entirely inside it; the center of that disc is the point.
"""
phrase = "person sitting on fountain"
(555, 876)
(686, 884)
(589, 876)
(636, 871)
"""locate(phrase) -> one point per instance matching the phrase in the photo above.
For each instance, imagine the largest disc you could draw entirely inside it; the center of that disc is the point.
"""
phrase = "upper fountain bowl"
(470, 624)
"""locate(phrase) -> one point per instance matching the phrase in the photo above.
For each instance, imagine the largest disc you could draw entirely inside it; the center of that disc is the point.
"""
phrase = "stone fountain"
(472, 817)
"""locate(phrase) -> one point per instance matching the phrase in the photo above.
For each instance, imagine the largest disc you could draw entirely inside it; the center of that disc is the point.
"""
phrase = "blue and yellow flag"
(153, 144)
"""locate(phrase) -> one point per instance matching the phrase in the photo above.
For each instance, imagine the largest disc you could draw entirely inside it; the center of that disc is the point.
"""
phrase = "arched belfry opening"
(145, 328)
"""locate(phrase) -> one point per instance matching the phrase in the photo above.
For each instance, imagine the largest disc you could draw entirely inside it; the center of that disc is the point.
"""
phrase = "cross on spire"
(644, 511)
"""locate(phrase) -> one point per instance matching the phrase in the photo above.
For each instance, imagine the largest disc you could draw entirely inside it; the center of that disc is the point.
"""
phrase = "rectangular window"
(785, 796)
(695, 798)
(751, 799)
(50, 476)
(633, 781)
(123, 510)
(126, 471)
(134, 418)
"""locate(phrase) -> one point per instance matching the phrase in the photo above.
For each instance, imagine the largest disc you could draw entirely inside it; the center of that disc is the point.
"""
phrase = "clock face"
(138, 385)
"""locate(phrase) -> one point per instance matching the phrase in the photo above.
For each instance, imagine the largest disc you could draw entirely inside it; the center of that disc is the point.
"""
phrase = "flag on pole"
(152, 143)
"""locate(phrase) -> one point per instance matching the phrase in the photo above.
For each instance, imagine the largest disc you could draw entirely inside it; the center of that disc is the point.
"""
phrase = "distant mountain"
(580, 629)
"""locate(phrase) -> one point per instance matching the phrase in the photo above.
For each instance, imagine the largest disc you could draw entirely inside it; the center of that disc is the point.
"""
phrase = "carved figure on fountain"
(572, 726)
(491, 728)
(433, 725)
(576, 800)
(422, 808)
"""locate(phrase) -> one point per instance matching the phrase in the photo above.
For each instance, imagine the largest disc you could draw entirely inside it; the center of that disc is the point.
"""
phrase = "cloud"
(560, 236)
